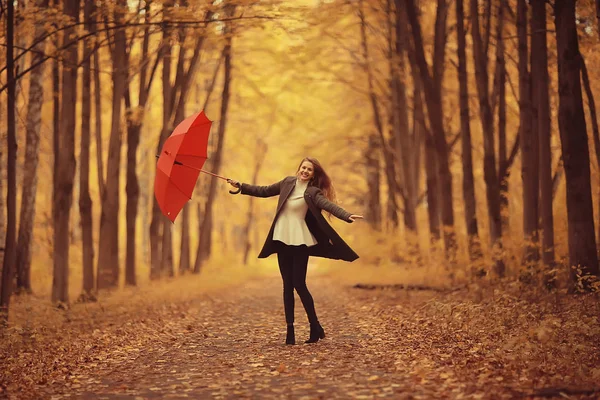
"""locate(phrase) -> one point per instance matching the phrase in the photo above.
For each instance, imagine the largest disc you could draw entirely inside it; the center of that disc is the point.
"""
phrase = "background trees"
(381, 91)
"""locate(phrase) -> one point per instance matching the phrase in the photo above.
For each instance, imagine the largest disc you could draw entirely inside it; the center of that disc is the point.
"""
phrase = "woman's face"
(306, 171)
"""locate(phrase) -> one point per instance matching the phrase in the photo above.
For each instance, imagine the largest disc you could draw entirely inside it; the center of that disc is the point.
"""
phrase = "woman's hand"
(354, 217)
(233, 183)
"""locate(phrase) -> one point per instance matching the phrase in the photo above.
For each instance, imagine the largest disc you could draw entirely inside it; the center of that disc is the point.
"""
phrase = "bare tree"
(108, 246)
(593, 117)
(11, 171)
(583, 258)
(261, 151)
(540, 83)
(206, 226)
(500, 89)
(135, 116)
(392, 206)
(65, 162)
(529, 143)
(465, 128)
(373, 177)
(174, 99)
(427, 146)
(406, 144)
(492, 183)
(157, 223)
(598, 17)
(432, 85)
(32, 145)
(85, 200)
(98, 124)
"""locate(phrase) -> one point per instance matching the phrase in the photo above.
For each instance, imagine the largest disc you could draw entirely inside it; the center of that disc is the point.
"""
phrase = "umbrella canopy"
(182, 156)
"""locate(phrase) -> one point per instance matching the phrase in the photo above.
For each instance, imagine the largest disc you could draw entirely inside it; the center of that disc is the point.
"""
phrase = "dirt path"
(390, 344)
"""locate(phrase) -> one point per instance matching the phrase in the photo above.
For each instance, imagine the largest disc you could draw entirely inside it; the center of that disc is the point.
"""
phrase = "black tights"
(293, 261)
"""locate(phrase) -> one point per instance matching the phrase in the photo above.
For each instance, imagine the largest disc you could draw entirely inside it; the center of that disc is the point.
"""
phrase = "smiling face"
(306, 171)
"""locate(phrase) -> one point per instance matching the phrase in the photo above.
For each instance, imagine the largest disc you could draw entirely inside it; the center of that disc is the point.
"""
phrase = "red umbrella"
(180, 161)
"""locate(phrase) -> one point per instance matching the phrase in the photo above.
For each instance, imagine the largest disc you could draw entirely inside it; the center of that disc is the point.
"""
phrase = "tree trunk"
(98, 124)
(529, 144)
(392, 206)
(425, 143)
(184, 256)
(85, 200)
(32, 146)
(65, 164)
(108, 247)
(135, 117)
(373, 177)
(433, 207)
(204, 247)
(156, 225)
(500, 86)
(185, 259)
(132, 189)
(487, 127)
(593, 118)
(11, 172)
(56, 101)
(404, 151)
(465, 128)
(185, 248)
(431, 171)
(583, 258)
(167, 266)
(261, 152)
(166, 255)
(598, 17)
(540, 77)
(433, 97)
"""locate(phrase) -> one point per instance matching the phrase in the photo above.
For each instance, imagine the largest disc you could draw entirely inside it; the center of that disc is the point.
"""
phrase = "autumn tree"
(11, 198)
(135, 115)
(30, 167)
(465, 129)
(407, 142)
(583, 258)
(529, 142)
(108, 246)
(378, 123)
(432, 89)
(206, 225)
(85, 199)
(65, 161)
(541, 98)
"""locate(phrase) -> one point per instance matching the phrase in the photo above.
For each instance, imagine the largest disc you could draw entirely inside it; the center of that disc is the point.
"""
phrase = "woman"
(297, 234)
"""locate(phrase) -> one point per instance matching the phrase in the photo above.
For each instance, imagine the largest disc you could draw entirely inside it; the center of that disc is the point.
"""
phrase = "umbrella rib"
(178, 188)
(175, 185)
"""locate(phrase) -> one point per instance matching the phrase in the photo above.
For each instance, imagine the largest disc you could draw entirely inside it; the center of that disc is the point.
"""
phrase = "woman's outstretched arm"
(323, 203)
(257, 191)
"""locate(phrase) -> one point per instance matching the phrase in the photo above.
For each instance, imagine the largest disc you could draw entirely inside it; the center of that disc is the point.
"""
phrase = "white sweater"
(291, 227)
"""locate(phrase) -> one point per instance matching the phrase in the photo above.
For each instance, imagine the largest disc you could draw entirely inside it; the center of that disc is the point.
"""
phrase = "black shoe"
(290, 338)
(316, 333)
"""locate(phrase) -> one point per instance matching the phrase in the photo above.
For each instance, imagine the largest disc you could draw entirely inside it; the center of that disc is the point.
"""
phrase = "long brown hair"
(320, 179)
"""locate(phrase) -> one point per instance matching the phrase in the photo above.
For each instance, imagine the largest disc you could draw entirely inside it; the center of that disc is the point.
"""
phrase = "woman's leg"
(300, 260)
(286, 264)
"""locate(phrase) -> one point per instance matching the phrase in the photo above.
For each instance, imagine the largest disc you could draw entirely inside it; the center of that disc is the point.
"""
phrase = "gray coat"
(329, 243)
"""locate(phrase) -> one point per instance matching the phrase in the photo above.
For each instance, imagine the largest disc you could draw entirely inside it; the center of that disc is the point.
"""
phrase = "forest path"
(379, 344)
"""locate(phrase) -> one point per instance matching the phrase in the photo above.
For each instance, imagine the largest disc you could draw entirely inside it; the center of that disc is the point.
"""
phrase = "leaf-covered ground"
(229, 343)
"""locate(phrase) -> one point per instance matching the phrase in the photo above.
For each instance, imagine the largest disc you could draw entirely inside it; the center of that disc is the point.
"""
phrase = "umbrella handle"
(239, 189)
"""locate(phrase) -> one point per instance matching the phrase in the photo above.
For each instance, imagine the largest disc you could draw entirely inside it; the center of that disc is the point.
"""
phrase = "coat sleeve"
(261, 191)
(324, 204)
